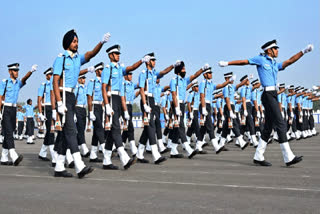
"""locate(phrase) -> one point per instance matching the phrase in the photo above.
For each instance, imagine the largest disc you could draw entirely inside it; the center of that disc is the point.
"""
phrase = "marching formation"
(251, 111)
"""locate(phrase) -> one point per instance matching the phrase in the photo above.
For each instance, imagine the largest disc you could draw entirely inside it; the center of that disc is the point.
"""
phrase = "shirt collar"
(98, 79)
(13, 81)
(114, 64)
(70, 53)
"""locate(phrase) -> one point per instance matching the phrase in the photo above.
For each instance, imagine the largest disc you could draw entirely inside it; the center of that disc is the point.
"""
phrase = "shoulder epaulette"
(107, 66)
(4, 80)
(60, 55)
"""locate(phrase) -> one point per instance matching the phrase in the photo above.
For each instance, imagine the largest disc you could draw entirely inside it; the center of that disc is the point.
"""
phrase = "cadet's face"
(82, 80)
(129, 77)
(48, 76)
(158, 81)
(98, 72)
(74, 45)
(247, 82)
(14, 73)
(114, 57)
(196, 89)
(259, 84)
(153, 63)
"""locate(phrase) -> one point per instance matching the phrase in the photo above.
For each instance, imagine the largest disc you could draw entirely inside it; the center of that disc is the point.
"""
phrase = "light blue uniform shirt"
(44, 90)
(237, 107)
(298, 100)
(80, 93)
(127, 90)
(152, 79)
(267, 69)
(220, 103)
(12, 91)
(96, 92)
(157, 92)
(118, 72)
(195, 96)
(291, 99)
(29, 110)
(182, 84)
(254, 96)
(20, 116)
(304, 102)
(259, 96)
(71, 67)
(246, 92)
(229, 91)
(166, 101)
(214, 105)
(207, 87)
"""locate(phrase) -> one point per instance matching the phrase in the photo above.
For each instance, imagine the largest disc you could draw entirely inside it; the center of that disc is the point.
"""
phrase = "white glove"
(62, 109)
(0, 116)
(204, 111)
(282, 113)
(232, 115)
(34, 68)
(92, 116)
(146, 108)
(206, 66)
(308, 114)
(178, 62)
(245, 113)
(109, 110)
(307, 49)
(250, 76)
(54, 114)
(262, 115)
(222, 118)
(126, 115)
(167, 93)
(258, 114)
(223, 64)
(314, 87)
(75, 118)
(91, 69)
(291, 115)
(301, 113)
(178, 112)
(167, 117)
(146, 59)
(42, 117)
(191, 116)
(105, 38)
(318, 94)
(233, 78)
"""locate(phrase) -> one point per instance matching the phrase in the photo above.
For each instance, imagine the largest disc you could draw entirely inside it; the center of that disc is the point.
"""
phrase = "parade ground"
(224, 183)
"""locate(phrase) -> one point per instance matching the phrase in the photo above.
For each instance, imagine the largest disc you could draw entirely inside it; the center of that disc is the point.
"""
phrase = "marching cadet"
(268, 69)
(231, 121)
(207, 87)
(299, 112)
(45, 115)
(313, 97)
(81, 114)
(290, 112)
(166, 109)
(245, 96)
(30, 120)
(178, 86)
(127, 92)
(95, 100)
(256, 111)
(193, 102)
(112, 78)
(9, 92)
(220, 106)
(21, 118)
(282, 99)
(158, 89)
(68, 66)
(147, 84)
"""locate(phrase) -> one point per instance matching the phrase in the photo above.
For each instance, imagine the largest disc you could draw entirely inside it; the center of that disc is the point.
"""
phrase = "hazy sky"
(194, 31)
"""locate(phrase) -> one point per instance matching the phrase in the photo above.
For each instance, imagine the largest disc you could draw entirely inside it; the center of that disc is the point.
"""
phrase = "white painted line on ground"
(179, 183)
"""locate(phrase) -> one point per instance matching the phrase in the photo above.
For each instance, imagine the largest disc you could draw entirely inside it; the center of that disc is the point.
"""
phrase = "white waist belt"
(248, 101)
(149, 94)
(128, 102)
(47, 104)
(115, 92)
(181, 101)
(157, 104)
(81, 106)
(97, 102)
(270, 88)
(29, 117)
(207, 101)
(10, 104)
(195, 109)
(67, 89)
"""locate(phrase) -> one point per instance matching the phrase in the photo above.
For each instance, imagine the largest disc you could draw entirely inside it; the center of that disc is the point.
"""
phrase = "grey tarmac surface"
(224, 183)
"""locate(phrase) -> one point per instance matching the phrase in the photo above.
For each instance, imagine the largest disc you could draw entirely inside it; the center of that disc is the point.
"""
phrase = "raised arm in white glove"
(91, 69)
(307, 49)
(145, 59)
(178, 62)
(105, 38)
(206, 66)
(34, 68)
(223, 64)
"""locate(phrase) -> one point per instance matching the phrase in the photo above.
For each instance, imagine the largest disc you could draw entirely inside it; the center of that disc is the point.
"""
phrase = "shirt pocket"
(267, 67)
